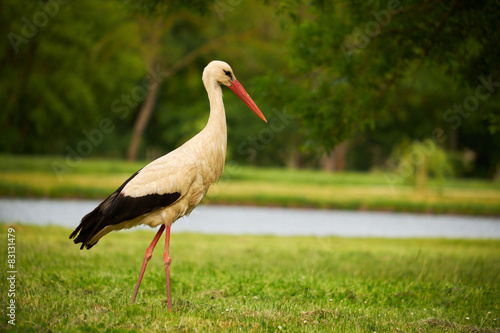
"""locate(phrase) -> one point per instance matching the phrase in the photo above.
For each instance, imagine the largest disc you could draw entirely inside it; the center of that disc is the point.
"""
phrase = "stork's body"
(173, 185)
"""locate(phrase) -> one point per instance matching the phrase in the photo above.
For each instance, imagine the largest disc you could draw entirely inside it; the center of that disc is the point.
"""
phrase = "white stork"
(173, 185)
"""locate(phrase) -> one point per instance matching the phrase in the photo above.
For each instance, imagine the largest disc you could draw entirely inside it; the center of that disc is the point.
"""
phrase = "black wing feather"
(118, 208)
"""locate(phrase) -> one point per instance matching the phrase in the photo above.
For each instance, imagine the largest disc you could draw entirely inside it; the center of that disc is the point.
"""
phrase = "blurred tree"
(375, 73)
(422, 106)
(154, 21)
(62, 68)
(415, 161)
(151, 31)
(349, 59)
(251, 47)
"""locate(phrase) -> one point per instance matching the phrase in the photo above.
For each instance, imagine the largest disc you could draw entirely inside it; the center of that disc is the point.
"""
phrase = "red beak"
(238, 89)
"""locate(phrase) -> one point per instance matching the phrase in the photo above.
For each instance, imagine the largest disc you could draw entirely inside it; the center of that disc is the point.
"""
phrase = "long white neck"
(213, 138)
(217, 120)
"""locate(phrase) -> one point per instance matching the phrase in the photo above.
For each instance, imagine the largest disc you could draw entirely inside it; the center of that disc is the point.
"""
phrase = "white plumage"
(173, 185)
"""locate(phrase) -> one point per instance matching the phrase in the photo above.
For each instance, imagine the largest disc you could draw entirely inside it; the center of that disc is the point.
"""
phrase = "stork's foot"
(147, 256)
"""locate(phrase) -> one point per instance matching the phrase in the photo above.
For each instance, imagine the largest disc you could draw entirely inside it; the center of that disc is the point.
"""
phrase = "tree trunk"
(339, 153)
(327, 161)
(294, 160)
(421, 175)
(335, 160)
(143, 117)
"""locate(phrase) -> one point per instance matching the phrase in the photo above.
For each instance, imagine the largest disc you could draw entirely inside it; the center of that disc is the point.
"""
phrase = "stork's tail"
(90, 225)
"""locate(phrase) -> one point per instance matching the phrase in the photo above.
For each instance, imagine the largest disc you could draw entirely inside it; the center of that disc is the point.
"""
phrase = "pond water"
(236, 220)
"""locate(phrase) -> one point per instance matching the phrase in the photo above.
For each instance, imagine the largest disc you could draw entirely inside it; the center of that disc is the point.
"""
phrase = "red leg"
(147, 256)
(167, 260)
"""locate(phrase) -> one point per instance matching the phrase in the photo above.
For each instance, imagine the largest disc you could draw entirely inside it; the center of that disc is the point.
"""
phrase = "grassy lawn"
(254, 283)
(35, 176)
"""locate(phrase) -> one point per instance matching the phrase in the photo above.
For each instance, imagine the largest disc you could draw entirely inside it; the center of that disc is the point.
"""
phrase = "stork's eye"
(228, 73)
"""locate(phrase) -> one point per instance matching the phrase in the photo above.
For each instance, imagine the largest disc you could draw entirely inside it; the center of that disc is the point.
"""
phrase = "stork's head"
(221, 73)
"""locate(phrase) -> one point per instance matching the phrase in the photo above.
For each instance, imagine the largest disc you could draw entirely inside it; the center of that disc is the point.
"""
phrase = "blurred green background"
(405, 89)
(389, 105)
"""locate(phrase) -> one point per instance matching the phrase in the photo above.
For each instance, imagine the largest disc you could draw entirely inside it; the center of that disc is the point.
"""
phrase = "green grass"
(254, 283)
(94, 178)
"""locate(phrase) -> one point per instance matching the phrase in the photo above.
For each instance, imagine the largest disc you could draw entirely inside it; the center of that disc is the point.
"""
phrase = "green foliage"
(421, 159)
(254, 283)
(154, 7)
(183, 106)
(358, 64)
(376, 73)
(60, 76)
